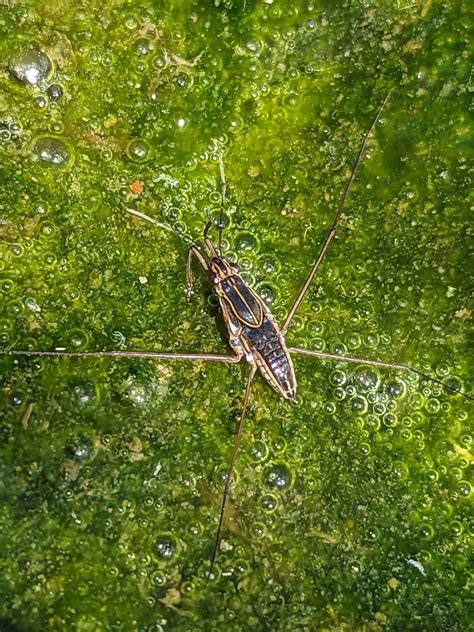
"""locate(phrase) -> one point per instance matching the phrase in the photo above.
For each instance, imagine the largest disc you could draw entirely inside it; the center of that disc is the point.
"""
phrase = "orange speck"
(136, 187)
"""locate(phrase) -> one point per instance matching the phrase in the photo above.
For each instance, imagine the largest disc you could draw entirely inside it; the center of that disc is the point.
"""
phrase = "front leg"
(194, 251)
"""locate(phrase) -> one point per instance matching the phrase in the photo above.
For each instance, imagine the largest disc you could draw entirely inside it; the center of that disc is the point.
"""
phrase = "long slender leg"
(385, 365)
(133, 211)
(223, 192)
(332, 229)
(230, 469)
(147, 355)
(194, 251)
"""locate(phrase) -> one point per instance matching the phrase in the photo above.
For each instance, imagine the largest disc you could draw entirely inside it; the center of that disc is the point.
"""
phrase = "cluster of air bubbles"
(52, 151)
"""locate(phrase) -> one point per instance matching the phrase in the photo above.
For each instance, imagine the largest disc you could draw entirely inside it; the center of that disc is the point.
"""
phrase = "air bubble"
(395, 389)
(338, 378)
(367, 378)
(373, 534)
(390, 420)
(52, 151)
(54, 92)
(165, 547)
(259, 451)
(269, 264)
(269, 502)
(138, 149)
(30, 66)
(359, 405)
(246, 242)
(142, 46)
(267, 292)
(80, 449)
(401, 470)
(278, 476)
(259, 530)
(432, 406)
(329, 408)
(426, 531)
(355, 567)
(353, 342)
(78, 338)
(279, 445)
(86, 393)
(16, 398)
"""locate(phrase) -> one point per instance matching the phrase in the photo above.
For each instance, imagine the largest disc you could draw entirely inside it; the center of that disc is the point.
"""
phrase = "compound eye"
(234, 267)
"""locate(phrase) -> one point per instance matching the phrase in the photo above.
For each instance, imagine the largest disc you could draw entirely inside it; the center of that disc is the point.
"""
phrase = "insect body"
(251, 327)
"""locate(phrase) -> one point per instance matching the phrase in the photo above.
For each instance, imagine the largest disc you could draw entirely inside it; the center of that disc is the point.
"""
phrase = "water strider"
(251, 328)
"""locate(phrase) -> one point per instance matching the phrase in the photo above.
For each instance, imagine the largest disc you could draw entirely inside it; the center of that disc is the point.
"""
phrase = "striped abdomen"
(269, 351)
(252, 327)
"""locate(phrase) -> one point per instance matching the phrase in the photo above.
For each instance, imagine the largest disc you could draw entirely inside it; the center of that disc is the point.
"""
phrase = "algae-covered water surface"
(350, 508)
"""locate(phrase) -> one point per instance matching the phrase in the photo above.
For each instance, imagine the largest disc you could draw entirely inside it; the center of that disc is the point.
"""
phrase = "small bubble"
(259, 451)
(40, 102)
(78, 338)
(86, 393)
(426, 531)
(401, 470)
(338, 378)
(367, 378)
(196, 529)
(464, 488)
(138, 149)
(16, 398)
(395, 389)
(432, 406)
(258, 530)
(142, 46)
(456, 527)
(246, 242)
(55, 92)
(355, 567)
(165, 546)
(373, 534)
(182, 80)
(354, 341)
(390, 420)
(359, 405)
(279, 445)
(364, 449)
(266, 292)
(372, 422)
(329, 408)
(30, 66)
(253, 45)
(454, 384)
(80, 449)
(269, 502)
(52, 151)
(278, 476)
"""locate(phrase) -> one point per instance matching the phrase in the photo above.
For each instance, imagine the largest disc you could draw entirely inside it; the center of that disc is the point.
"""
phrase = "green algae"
(350, 508)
